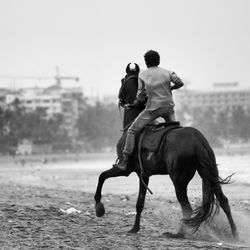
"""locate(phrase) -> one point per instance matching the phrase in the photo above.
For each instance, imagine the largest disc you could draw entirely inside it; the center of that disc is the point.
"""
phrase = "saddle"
(152, 135)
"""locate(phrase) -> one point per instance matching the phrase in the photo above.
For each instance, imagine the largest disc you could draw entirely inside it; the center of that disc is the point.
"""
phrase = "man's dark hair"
(152, 58)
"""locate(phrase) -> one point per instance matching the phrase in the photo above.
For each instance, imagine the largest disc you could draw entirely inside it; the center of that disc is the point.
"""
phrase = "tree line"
(99, 127)
(228, 125)
(16, 124)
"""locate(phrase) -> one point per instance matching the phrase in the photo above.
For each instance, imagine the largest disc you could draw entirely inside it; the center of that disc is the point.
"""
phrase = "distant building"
(223, 96)
(3, 93)
(35, 98)
(54, 99)
(110, 99)
(106, 99)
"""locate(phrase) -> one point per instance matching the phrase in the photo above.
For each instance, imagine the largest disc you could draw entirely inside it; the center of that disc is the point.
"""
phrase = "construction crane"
(58, 78)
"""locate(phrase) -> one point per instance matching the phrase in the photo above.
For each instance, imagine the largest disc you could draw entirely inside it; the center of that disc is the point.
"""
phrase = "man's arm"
(178, 83)
(141, 92)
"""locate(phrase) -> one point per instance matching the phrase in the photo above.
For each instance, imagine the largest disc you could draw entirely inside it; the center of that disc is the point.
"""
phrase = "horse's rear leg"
(140, 204)
(226, 208)
(112, 172)
(181, 194)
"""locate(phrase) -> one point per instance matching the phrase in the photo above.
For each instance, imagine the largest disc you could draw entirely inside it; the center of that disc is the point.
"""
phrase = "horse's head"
(132, 68)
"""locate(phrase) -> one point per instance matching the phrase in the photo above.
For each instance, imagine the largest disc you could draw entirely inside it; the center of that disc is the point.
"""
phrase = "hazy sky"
(204, 41)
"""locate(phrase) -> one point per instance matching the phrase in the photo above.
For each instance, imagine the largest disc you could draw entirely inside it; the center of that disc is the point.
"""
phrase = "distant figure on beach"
(157, 83)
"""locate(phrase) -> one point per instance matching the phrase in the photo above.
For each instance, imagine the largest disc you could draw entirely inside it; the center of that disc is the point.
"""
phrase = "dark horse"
(183, 151)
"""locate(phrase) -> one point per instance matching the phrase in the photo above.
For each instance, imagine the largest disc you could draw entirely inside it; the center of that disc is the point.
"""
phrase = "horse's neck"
(129, 97)
(127, 122)
(130, 117)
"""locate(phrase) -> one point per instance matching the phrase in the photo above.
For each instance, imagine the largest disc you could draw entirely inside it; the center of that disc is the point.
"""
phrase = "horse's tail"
(210, 180)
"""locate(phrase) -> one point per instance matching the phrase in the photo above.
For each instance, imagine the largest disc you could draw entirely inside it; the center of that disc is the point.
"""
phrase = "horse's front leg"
(112, 172)
(140, 204)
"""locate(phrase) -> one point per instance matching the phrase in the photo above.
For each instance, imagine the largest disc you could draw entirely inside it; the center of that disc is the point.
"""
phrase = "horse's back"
(181, 148)
(192, 142)
(179, 153)
(186, 137)
(180, 141)
(177, 148)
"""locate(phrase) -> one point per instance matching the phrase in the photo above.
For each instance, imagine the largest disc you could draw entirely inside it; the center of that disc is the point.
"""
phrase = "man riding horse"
(155, 82)
(182, 152)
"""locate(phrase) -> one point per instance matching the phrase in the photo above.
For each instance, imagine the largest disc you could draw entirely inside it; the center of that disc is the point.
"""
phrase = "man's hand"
(134, 104)
(128, 106)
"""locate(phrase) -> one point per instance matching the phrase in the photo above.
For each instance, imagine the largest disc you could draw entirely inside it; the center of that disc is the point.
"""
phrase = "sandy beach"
(51, 206)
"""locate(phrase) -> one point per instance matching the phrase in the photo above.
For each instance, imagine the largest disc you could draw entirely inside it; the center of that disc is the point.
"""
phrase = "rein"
(139, 152)
(140, 162)
(139, 142)
(119, 108)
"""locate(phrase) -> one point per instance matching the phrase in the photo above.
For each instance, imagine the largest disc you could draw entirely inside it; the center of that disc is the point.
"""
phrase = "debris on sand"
(31, 218)
(124, 198)
(86, 213)
(70, 210)
(130, 213)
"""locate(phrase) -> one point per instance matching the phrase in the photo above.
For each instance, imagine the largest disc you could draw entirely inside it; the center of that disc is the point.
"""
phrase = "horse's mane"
(121, 94)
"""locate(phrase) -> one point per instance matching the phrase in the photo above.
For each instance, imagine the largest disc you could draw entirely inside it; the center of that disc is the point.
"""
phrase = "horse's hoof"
(133, 231)
(99, 209)
(236, 236)
(174, 235)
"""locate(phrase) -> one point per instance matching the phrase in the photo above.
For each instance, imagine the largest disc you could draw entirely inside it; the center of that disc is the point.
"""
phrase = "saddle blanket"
(153, 134)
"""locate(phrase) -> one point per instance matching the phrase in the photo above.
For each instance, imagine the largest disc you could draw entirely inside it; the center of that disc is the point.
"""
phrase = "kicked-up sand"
(51, 206)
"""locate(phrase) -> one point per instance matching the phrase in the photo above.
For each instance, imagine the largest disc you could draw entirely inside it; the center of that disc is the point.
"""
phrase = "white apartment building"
(55, 100)
(226, 96)
(33, 98)
(52, 103)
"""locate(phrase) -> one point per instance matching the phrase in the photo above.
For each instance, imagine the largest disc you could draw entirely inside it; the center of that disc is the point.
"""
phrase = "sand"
(35, 199)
